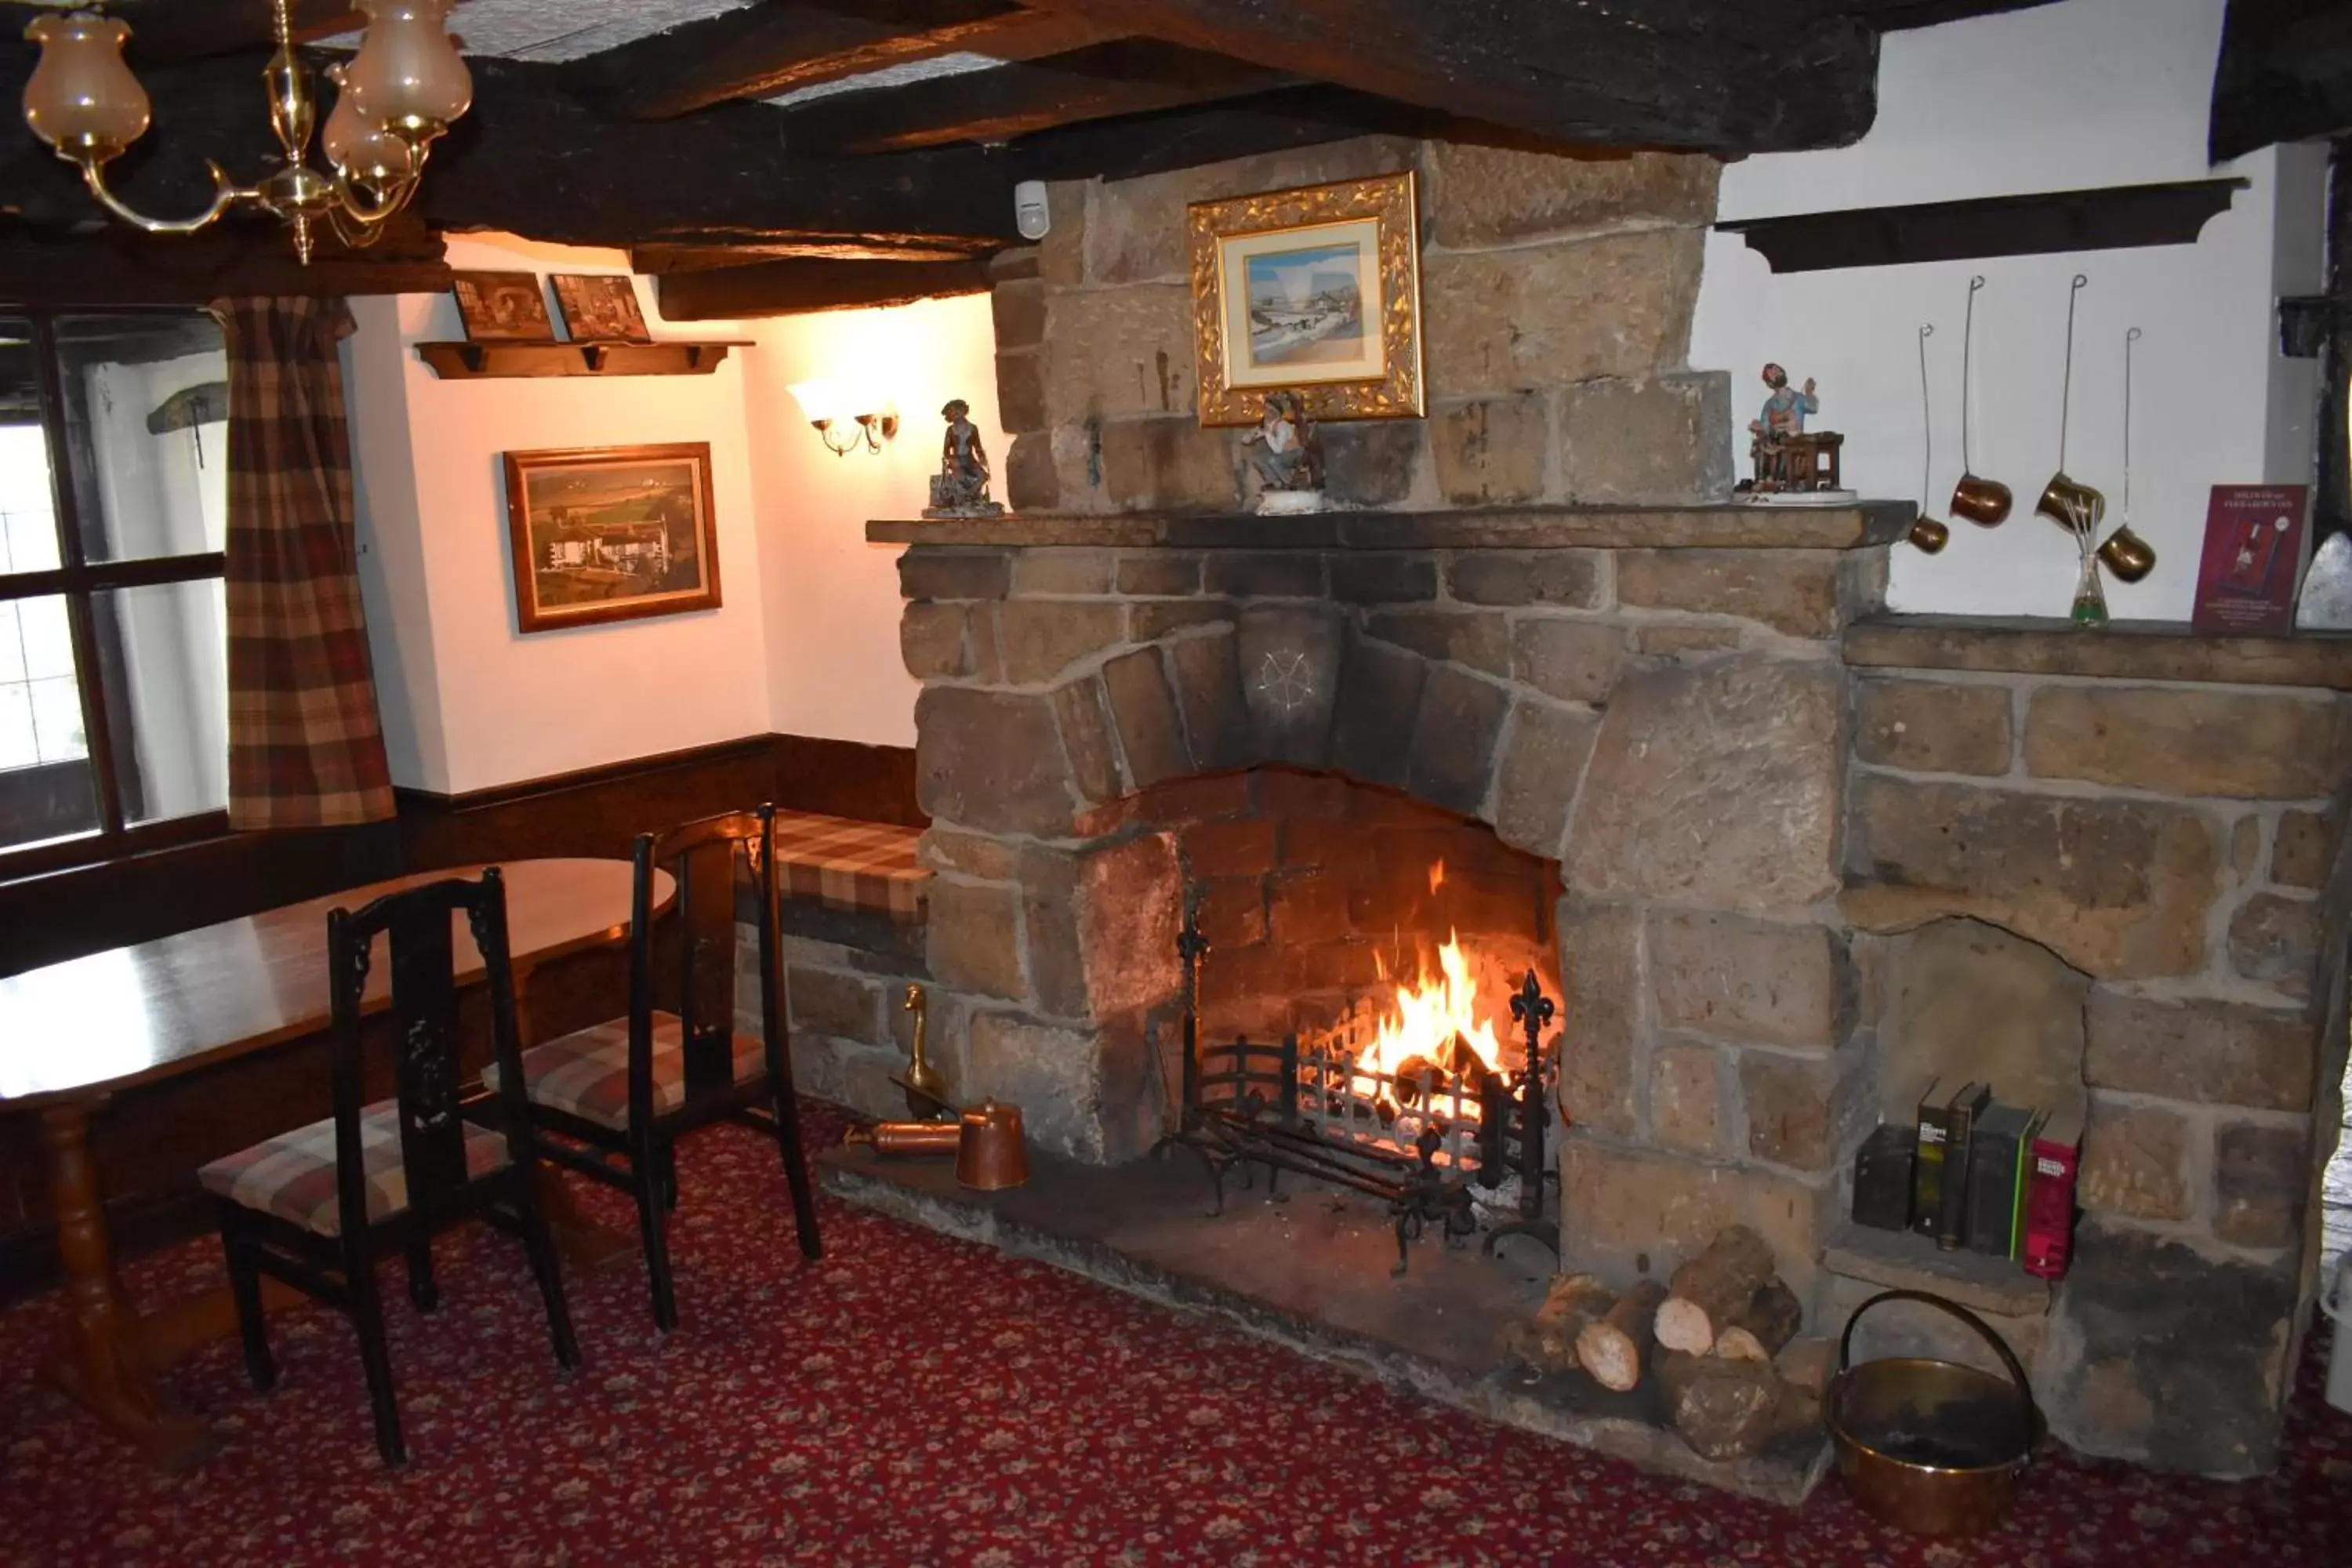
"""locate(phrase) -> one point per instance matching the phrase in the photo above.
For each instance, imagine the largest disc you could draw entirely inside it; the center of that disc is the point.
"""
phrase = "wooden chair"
(412, 1166)
(627, 1089)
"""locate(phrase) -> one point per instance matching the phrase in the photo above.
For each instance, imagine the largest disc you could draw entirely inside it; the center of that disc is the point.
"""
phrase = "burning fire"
(1435, 1023)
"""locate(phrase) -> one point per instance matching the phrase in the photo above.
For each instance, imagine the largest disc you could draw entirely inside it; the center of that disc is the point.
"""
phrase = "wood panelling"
(151, 1139)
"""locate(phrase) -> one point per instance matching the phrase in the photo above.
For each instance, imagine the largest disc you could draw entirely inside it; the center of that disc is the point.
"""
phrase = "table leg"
(106, 1367)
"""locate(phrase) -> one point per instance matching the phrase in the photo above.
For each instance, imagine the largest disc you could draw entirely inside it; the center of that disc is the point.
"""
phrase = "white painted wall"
(2082, 94)
(469, 701)
(807, 639)
(834, 667)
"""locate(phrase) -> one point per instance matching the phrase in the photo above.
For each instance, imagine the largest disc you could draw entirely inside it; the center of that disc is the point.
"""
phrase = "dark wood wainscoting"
(150, 1142)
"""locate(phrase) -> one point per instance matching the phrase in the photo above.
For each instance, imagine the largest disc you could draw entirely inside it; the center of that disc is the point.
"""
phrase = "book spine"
(2021, 1185)
(1992, 1174)
(1927, 1170)
(1952, 1210)
(2050, 1209)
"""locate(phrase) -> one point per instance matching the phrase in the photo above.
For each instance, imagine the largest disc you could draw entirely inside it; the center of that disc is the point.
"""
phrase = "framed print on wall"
(600, 309)
(1316, 290)
(611, 533)
(502, 307)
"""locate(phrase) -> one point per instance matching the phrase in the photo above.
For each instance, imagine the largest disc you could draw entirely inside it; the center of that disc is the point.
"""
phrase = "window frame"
(79, 580)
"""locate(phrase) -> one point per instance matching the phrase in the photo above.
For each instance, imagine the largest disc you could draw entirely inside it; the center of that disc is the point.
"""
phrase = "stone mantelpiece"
(1726, 527)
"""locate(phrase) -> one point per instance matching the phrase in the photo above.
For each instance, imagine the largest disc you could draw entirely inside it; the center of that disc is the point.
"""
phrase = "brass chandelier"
(394, 99)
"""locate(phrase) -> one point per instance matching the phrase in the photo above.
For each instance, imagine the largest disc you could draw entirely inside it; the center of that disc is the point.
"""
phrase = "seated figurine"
(1284, 453)
(961, 487)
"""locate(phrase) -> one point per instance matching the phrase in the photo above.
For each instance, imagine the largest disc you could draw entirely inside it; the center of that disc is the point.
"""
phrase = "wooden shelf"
(2114, 218)
(2123, 650)
(477, 362)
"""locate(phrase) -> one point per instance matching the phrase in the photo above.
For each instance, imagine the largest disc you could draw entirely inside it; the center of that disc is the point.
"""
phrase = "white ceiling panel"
(568, 29)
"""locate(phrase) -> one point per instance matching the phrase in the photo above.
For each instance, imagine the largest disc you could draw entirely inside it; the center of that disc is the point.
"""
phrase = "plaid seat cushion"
(850, 864)
(586, 1073)
(292, 1175)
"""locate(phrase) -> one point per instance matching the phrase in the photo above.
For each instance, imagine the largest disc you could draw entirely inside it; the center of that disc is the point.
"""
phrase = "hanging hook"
(2066, 384)
(1927, 420)
(2131, 336)
(1967, 345)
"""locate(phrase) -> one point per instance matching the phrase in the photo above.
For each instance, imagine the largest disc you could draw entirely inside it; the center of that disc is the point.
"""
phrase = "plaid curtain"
(304, 746)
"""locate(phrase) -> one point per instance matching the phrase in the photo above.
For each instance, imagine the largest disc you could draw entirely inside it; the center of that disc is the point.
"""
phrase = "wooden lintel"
(761, 51)
(117, 268)
(800, 286)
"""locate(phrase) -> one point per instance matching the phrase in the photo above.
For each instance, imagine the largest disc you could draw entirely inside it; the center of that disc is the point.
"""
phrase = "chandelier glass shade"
(394, 99)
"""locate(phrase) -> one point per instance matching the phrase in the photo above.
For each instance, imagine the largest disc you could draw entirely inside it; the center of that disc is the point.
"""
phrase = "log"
(1768, 1320)
(1805, 1367)
(1706, 1290)
(1547, 1341)
(1723, 1409)
(1613, 1348)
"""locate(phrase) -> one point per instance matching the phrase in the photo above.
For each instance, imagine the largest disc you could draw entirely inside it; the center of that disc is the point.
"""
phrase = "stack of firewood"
(1719, 1338)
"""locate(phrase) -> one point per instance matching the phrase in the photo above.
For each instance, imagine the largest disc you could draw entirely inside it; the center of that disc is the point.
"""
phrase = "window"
(113, 633)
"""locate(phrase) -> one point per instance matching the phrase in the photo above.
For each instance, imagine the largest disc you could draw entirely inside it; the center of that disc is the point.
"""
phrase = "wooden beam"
(122, 268)
(2285, 75)
(534, 161)
(799, 287)
(760, 51)
(654, 260)
(1733, 76)
(163, 32)
(1243, 128)
(1129, 76)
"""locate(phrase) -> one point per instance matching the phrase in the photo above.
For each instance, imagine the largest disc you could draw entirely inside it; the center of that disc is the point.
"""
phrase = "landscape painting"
(611, 533)
(1305, 305)
(1314, 292)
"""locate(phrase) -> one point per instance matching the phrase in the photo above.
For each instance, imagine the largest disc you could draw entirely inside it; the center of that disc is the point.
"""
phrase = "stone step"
(1906, 1260)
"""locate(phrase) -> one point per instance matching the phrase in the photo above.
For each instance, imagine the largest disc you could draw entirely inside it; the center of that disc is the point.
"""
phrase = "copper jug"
(992, 1155)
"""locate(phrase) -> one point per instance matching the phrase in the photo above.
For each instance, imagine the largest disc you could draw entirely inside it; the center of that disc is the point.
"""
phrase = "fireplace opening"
(1369, 999)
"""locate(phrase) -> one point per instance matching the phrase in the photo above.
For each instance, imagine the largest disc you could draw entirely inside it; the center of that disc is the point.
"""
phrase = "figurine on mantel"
(1287, 456)
(1793, 466)
(961, 487)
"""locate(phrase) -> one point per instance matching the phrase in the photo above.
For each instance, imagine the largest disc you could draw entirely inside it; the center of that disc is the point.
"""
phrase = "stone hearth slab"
(1312, 1273)
(1732, 527)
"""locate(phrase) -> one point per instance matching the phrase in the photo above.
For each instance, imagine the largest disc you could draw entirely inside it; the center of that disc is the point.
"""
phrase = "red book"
(2050, 1194)
(2253, 552)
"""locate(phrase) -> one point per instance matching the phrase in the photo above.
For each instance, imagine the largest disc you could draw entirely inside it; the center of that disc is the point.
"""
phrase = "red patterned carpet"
(916, 1400)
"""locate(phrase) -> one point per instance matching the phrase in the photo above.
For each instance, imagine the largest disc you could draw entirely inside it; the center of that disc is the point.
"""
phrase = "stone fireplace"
(1773, 851)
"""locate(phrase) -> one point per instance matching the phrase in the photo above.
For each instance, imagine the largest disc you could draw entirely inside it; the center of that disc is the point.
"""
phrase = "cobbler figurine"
(1789, 461)
(1287, 456)
(961, 487)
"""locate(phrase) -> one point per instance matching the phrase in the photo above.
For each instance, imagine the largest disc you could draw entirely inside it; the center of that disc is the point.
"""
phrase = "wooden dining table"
(74, 1034)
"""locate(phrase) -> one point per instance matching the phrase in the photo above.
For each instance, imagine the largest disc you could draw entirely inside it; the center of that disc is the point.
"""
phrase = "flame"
(1435, 1022)
(1436, 874)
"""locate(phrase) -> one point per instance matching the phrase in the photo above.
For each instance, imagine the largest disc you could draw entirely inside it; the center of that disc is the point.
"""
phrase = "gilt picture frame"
(611, 533)
(1316, 290)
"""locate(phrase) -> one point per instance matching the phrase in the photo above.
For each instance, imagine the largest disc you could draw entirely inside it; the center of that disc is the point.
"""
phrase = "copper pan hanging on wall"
(1982, 502)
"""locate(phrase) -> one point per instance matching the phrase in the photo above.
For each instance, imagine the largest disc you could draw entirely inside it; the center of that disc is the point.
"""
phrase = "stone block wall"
(1556, 307)
(844, 981)
(2177, 844)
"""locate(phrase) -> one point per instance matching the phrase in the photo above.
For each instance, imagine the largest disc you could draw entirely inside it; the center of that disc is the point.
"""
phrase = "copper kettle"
(992, 1155)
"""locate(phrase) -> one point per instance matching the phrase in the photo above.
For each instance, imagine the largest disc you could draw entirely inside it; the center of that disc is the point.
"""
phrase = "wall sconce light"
(843, 433)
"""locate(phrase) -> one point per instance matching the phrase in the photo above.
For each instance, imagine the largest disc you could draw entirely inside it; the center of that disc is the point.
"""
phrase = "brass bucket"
(1928, 1445)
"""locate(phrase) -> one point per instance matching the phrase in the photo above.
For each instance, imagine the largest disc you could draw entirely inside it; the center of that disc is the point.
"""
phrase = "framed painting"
(600, 309)
(611, 533)
(503, 306)
(1316, 290)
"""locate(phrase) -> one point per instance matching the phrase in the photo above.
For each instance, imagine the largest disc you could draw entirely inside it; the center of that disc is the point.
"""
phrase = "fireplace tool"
(925, 1086)
(1417, 1140)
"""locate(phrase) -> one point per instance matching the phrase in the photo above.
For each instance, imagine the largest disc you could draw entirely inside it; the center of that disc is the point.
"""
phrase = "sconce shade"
(408, 73)
(819, 401)
(81, 97)
(362, 150)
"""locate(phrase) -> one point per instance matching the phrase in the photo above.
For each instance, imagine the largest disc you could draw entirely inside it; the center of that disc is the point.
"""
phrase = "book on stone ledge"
(1927, 1167)
(1999, 1152)
(1959, 1130)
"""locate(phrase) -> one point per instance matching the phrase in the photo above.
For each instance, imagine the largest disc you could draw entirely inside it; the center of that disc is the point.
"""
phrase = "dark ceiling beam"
(119, 267)
(2285, 75)
(166, 31)
(532, 159)
(1902, 16)
(654, 260)
(1211, 134)
(1131, 76)
(797, 288)
(761, 51)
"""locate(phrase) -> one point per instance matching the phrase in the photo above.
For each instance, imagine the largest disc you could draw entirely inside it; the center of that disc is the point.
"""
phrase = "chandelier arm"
(227, 194)
(367, 206)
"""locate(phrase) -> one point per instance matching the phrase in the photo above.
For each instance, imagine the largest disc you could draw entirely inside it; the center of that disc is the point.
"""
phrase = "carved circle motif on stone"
(1283, 680)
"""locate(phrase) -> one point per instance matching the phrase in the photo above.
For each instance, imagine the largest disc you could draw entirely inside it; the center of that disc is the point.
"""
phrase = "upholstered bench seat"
(292, 1175)
(586, 1073)
(857, 867)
